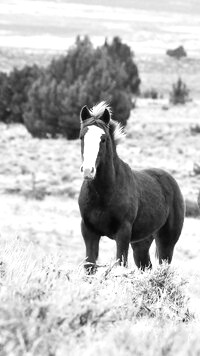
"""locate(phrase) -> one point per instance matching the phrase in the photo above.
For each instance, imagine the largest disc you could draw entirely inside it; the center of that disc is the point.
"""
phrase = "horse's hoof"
(90, 268)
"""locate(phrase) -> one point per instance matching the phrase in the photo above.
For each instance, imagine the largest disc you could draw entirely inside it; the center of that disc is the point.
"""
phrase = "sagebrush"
(48, 308)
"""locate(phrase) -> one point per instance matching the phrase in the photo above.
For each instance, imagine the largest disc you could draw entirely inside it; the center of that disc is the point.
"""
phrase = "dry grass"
(35, 168)
(50, 309)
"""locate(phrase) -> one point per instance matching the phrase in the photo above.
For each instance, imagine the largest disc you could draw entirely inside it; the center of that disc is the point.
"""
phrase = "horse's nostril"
(81, 168)
(92, 170)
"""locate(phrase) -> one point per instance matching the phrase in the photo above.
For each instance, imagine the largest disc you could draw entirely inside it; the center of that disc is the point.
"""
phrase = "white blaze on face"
(92, 140)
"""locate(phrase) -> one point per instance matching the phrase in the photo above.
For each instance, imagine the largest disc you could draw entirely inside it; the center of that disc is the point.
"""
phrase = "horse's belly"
(145, 227)
(138, 235)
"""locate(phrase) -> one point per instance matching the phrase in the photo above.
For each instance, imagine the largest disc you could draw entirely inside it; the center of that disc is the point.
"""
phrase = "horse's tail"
(156, 253)
(198, 200)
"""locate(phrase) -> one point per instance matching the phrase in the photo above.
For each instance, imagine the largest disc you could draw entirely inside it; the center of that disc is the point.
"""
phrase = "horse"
(129, 206)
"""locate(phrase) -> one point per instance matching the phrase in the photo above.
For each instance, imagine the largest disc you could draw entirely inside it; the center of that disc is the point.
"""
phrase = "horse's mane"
(115, 128)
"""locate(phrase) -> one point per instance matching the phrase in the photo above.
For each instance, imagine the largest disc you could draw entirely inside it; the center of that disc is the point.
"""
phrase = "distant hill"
(149, 27)
(182, 6)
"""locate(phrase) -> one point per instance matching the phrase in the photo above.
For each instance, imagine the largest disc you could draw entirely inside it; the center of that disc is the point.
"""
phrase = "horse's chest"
(103, 221)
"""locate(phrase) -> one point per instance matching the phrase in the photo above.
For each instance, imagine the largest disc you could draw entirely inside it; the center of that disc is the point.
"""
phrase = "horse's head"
(94, 134)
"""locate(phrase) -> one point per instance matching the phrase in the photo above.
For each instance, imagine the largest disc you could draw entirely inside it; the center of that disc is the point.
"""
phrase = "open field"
(40, 179)
(42, 252)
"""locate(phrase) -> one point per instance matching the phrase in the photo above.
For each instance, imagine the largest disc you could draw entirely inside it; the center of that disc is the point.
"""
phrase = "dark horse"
(125, 205)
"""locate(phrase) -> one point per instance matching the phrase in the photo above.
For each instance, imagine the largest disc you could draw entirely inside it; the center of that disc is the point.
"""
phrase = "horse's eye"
(103, 139)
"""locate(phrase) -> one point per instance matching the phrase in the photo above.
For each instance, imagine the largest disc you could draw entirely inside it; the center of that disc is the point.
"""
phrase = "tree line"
(48, 100)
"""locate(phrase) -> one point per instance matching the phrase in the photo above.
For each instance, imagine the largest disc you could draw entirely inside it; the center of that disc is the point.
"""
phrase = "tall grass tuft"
(179, 93)
(48, 308)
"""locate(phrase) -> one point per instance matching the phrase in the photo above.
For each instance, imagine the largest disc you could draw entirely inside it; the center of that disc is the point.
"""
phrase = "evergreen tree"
(85, 75)
(5, 97)
(13, 92)
(121, 53)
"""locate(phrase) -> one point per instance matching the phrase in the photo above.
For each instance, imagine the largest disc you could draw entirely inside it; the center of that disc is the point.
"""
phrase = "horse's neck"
(105, 179)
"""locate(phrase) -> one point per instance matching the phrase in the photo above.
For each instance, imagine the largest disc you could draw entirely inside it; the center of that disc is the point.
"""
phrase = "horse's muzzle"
(88, 173)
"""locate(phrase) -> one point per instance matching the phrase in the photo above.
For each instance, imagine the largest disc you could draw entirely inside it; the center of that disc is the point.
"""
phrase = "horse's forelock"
(98, 110)
(116, 130)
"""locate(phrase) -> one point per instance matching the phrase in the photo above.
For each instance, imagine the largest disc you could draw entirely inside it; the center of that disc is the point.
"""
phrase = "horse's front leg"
(92, 247)
(122, 240)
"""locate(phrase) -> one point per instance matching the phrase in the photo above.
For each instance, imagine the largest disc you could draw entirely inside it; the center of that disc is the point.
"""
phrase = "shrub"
(84, 76)
(180, 93)
(151, 93)
(13, 92)
(5, 97)
(195, 129)
(177, 53)
(192, 209)
(41, 115)
(196, 168)
(121, 53)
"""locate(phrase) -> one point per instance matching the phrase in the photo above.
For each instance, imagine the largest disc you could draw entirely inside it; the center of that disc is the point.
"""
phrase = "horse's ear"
(85, 113)
(106, 116)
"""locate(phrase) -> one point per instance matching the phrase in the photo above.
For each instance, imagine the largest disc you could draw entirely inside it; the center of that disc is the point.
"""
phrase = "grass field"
(48, 306)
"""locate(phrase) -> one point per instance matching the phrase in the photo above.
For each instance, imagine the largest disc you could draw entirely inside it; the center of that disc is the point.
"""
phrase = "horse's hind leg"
(165, 246)
(167, 238)
(169, 233)
(141, 253)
